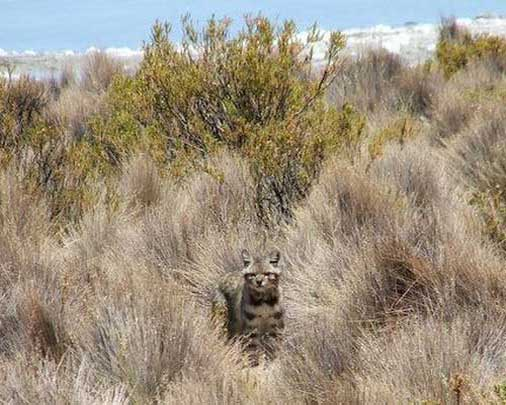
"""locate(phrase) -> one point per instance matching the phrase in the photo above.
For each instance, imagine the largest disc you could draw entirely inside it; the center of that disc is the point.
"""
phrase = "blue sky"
(45, 25)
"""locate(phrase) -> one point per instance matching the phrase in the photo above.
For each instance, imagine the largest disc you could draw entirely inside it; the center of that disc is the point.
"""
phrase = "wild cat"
(248, 303)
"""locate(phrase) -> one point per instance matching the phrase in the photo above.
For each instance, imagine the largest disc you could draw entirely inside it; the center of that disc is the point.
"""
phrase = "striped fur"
(251, 301)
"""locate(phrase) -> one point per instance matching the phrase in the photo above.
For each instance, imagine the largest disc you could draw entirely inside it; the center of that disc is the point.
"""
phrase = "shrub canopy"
(258, 93)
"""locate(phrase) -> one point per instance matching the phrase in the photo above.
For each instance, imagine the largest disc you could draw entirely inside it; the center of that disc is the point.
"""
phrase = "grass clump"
(478, 157)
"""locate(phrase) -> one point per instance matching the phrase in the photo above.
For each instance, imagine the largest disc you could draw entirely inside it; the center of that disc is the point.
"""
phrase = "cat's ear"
(274, 257)
(246, 258)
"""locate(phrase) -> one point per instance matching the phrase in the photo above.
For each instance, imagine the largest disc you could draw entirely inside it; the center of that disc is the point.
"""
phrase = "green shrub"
(257, 93)
(456, 48)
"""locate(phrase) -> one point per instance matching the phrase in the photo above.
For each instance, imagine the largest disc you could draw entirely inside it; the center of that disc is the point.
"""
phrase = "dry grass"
(377, 81)
(368, 81)
(98, 71)
(393, 281)
(466, 95)
(71, 111)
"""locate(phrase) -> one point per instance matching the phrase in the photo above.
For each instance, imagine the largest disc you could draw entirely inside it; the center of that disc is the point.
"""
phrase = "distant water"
(41, 36)
(70, 25)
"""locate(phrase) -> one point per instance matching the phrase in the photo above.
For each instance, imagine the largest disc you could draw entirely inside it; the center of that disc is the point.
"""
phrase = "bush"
(21, 104)
(256, 93)
(456, 48)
